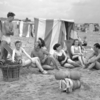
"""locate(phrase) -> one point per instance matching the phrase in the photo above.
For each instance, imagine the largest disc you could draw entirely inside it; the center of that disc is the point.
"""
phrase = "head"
(76, 42)
(37, 45)
(96, 47)
(10, 16)
(41, 42)
(18, 44)
(57, 47)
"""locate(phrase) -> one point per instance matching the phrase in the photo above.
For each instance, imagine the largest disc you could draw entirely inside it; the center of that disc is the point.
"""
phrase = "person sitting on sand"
(77, 52)
(63, 58)
(46, 59)
(94, 59)
(17, 56)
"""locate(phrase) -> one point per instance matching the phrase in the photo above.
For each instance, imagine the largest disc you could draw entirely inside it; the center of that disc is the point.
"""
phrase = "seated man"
(46, 59)
(94, 60)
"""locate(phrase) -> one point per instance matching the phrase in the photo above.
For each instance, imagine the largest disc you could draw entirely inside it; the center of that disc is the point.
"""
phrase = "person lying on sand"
(94, 60)
(47, 60)
(63, 57)
(77, 52)
(17, 56)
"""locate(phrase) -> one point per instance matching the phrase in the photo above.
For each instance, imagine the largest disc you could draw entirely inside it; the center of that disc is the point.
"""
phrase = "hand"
(44, 59)
(62, 62)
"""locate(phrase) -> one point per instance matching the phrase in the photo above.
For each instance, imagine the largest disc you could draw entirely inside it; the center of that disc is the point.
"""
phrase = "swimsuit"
(61, 58)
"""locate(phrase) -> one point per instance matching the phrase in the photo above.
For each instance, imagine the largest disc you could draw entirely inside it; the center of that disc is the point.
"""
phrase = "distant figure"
(84, 42)
(7, 32)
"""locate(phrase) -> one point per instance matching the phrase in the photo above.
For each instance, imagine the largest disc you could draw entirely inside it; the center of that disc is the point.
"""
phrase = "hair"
(56, 46)
(97, 45)
(75, 41)
(42, 42)
(10, 14)
(17, 42)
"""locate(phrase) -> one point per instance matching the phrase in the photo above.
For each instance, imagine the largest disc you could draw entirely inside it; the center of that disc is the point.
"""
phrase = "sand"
(33, 85)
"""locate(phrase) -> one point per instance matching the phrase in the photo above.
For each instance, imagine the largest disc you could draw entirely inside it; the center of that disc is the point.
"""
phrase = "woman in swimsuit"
(63, 58)
(17, 56)
(77, 52)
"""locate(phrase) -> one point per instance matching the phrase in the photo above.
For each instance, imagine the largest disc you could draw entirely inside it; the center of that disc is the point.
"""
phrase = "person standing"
(6, 39)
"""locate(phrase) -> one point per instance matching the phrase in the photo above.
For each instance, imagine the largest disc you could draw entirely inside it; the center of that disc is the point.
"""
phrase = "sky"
(81, 11)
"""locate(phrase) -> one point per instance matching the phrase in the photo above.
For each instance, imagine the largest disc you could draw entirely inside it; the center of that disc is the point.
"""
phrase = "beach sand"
(33, 85)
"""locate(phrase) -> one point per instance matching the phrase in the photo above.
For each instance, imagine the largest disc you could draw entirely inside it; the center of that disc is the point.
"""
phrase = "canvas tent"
(53, 31)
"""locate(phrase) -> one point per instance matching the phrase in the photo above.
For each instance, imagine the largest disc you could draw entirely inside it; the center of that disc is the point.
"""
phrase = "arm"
(33, 54)
(66, 56)
(26, 54)
(92, 54)
(55, 55)
(13, 55)
(45, 51)
(95, 59)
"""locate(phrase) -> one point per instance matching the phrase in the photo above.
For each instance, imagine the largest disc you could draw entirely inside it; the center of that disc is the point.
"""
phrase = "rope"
(69, 84)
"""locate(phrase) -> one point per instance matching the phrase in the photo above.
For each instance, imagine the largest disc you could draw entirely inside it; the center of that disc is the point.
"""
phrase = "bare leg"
(91, 66)
(97, 65)
(76, 64)
(48, 67)
(34, 60)
(5, 49)
(67, 65)
(38, 64)
(53, 60)
(81, 60)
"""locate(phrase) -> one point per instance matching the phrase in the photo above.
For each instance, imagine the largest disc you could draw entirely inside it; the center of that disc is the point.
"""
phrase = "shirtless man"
(6, 40)
(46, 59)
(94, 60)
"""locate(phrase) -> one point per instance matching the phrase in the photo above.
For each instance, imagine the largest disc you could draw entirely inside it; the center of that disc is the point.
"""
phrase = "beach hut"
(53, 31)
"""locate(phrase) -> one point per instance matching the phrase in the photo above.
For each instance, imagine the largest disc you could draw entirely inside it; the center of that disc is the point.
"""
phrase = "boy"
(7, 32)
